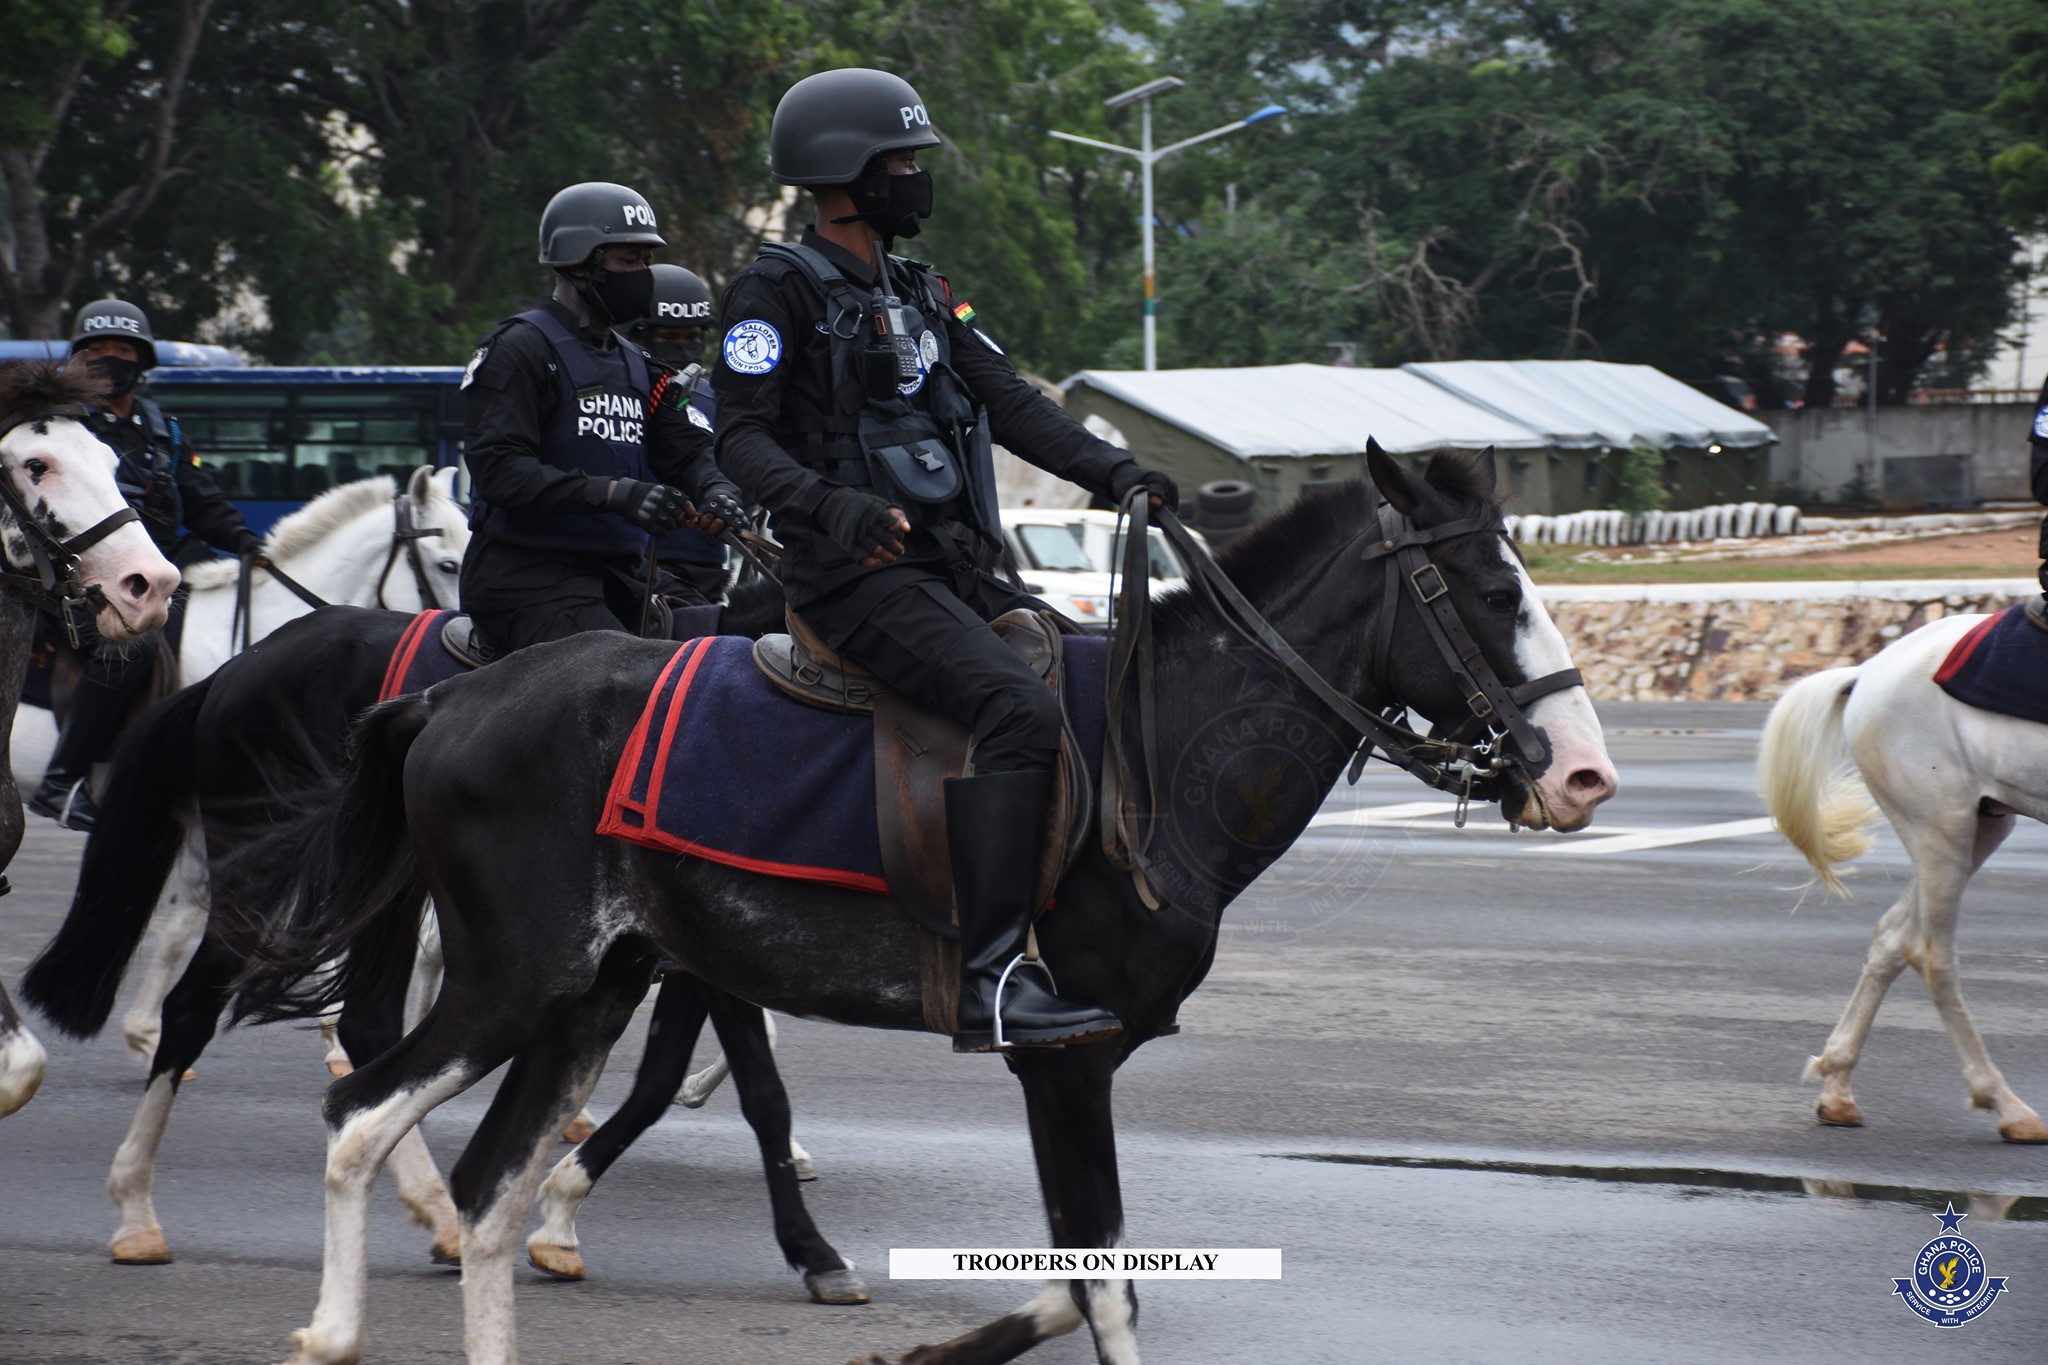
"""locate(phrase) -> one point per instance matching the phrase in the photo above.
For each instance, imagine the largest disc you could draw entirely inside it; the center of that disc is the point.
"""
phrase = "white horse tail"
(1806, 779)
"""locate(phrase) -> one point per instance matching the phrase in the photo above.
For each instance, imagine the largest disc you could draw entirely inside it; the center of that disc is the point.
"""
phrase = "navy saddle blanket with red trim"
(420, 659)
(2002, 666)
(724, 767)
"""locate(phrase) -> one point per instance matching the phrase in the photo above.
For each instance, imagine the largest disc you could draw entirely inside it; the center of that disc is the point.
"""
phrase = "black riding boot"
(66, 794)
(996, 828)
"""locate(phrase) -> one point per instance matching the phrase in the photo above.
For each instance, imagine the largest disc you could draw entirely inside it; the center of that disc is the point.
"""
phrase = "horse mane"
(39, 385)
(304, 528)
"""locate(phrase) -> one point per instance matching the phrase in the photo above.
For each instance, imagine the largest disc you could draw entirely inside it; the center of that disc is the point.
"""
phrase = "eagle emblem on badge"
(1948, 1286)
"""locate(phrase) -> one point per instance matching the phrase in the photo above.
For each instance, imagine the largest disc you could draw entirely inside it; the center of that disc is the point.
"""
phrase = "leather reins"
(1465, 760)
(58, 582)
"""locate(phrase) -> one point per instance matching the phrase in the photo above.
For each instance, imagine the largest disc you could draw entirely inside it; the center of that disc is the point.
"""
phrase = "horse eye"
(1502, 600)
(448, 566)
(36, 468)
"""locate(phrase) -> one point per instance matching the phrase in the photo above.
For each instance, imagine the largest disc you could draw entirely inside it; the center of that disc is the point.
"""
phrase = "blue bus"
(275, 436)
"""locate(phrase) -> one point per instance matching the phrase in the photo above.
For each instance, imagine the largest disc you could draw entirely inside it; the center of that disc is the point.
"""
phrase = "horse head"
(361, 544)
(62, 476)
(1500, 606)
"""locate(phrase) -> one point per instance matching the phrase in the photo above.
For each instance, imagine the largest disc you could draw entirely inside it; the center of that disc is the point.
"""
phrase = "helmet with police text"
(595, 214)
(828, 127)
(118, 320)
(681, 299)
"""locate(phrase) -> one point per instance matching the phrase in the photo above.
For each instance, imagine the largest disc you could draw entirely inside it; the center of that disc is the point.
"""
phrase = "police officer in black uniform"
(2037, 607)
(859, 411)
(692, 563)
(184, 512)
(578, 450)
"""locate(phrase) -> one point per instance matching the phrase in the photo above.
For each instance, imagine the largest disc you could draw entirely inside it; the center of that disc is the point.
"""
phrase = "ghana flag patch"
(964, 311)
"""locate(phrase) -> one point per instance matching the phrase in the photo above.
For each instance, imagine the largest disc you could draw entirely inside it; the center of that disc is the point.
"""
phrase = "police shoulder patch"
(2041, 423)
(469, 370)
(752, 347)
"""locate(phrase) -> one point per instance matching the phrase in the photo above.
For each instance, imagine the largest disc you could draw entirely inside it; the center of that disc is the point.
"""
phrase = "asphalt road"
(1591, 1045)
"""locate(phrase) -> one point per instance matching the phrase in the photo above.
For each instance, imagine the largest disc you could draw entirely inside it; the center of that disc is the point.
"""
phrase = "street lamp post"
(1148, 156)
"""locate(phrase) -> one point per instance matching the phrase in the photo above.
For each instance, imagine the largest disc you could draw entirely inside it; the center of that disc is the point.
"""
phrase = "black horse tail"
(346, 868)
(134, 844)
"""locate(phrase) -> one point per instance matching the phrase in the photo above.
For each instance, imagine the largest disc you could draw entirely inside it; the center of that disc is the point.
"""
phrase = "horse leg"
(699, 1086)
(742, 1031)
(21, 1059)
(191, 1013)
(1889, 947)
(1941, 901)
(1073, 1138)
(680, 1007)
(367, 1112)
(175, 931)
(367, 1029)
(500, 1170)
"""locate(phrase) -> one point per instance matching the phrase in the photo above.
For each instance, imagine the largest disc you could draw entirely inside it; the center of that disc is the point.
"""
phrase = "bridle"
(58, 583)
(406, 535)
(1469, 759)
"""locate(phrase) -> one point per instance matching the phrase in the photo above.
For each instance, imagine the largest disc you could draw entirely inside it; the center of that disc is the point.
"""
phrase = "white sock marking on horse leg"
(698, 1086)
(133, 1173)
(489, 1330)
(21, 1068)
(1112, 1317)
(1886, 959)
(800, 1161)
(179, 922)
(552, 1246)
(425, 1194)
(1053, 1312)
(426, 971)
(355, 1153)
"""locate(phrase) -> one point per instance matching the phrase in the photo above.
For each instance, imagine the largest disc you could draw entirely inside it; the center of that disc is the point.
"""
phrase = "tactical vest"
(148, 478)
(599, 428)
(926, 448)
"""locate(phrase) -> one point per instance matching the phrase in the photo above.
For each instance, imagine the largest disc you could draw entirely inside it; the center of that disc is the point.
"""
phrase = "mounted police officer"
(857, 402)
(185, 513)
(578, 449)
(692, 563)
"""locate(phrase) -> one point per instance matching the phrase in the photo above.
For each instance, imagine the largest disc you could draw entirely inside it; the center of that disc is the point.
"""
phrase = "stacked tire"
(1225, 507)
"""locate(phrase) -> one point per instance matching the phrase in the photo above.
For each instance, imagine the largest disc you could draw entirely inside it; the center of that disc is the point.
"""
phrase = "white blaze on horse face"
(1580, 775)
(60, 468)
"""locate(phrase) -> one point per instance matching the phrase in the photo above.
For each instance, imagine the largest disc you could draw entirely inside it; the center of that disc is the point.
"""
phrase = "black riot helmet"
(593, 215)
(119, 320)
(828, 127)
(673, 330)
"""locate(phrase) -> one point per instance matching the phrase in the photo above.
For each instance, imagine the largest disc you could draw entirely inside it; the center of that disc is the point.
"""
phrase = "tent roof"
(1584, 403)
(1302, 410)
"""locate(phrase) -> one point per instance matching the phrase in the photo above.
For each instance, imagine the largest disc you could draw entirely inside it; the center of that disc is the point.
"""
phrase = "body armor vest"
(599, 428)
(148, 477)
(926, 448)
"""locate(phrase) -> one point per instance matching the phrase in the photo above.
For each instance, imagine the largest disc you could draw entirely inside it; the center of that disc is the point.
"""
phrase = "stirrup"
(998, 1043)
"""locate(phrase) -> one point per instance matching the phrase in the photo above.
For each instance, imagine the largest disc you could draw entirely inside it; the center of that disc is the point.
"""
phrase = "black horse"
(486, 791)
(272, 721)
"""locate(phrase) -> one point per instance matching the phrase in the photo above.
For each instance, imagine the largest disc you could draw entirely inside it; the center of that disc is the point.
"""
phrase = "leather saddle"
(917, 750)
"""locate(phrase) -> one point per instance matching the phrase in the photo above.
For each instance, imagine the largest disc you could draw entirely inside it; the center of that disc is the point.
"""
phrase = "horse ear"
(420, 487)
(1485, 471)
(1402, 490)
(443, 482)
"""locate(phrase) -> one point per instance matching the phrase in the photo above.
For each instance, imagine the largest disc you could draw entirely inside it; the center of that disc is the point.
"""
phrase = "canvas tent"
(1558, 425)
(1280, 426)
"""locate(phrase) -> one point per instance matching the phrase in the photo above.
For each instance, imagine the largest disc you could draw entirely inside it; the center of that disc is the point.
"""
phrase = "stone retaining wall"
(1747, 641)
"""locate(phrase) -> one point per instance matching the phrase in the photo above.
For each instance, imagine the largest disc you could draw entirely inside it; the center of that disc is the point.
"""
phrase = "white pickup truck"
(1065, 556)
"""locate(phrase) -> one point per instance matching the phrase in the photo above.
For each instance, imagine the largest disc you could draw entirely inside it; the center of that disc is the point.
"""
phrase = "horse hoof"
(2025, 1129)
(837, 1286)
(579, 1131)
(805, 1168)
(339, 1067)
(190, 1075)
(564, 1263)
(146, 1247)
(447, 1250)
(1839, 1113)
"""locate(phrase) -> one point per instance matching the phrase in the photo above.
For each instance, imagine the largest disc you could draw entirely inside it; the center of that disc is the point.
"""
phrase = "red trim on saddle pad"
(1964, 648)
(407, 649)
(638, 820)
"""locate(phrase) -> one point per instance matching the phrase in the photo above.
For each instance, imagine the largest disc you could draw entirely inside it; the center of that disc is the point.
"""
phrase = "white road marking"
(1360, 816)
(1664, 838)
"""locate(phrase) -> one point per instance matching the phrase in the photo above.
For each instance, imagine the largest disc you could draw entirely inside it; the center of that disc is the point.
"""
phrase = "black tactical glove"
(722, 503)
(653, 507)
(862, 523)
(1130, 474)
(248, 543)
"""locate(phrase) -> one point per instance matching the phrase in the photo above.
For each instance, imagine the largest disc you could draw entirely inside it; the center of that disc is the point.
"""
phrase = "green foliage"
(1639, 485)
(2022, 107)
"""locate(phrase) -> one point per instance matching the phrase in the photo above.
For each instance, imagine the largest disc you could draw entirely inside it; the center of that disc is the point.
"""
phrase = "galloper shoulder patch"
(752, 347)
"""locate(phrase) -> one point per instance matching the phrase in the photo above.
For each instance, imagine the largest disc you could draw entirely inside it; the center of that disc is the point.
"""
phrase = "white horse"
(356, 544)
(1951, 779)
(60, 477)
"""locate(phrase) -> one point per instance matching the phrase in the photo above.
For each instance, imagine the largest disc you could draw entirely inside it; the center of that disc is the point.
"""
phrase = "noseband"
(58, 584)
(1468, 759)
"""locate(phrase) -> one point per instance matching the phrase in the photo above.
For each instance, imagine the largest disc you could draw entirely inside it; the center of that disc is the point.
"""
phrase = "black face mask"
(677, 355)
(617, 296)
(898, 204)
(119, 375)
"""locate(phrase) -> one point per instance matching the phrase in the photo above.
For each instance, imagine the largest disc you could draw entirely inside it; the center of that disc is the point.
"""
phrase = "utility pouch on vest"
(908, 458)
